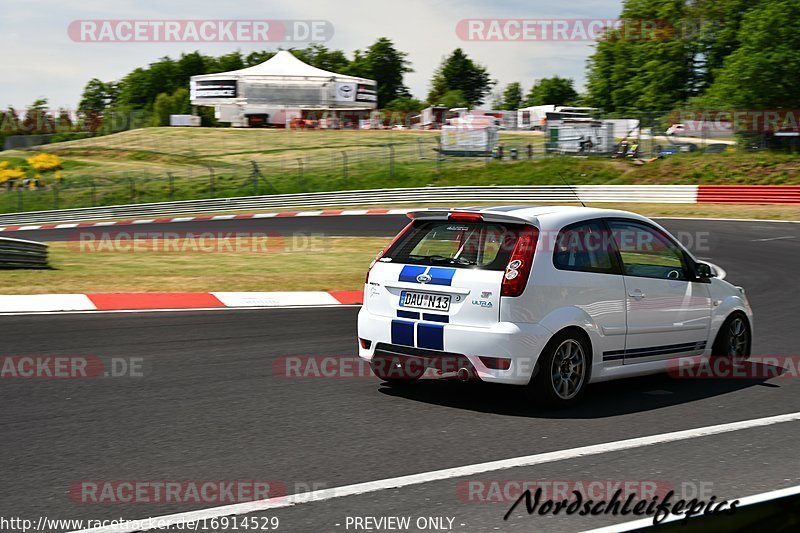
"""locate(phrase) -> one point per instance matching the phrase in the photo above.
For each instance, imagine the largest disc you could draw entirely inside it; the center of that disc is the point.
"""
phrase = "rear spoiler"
(463, 215)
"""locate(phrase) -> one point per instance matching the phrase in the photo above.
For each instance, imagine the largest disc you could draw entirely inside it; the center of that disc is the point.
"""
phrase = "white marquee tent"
(279, 90)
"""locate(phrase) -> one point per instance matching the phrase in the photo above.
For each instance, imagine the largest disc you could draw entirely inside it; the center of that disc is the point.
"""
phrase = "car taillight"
(386, 249)
(465, 217)
(519, 266)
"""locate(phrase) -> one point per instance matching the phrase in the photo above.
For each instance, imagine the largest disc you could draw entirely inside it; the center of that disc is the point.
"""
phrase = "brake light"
(386, 249)
(465, 217)
(519, 266)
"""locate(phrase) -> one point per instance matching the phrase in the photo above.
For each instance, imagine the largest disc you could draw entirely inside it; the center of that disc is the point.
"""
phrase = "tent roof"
(284, 64)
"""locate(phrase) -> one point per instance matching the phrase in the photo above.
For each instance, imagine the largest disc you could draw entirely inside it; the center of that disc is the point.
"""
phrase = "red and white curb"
(51, 303)
(169, 220)
(687, 194)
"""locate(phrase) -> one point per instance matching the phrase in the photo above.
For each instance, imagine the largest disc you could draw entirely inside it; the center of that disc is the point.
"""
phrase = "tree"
(359, 66)
(232, 61)
(95, 97)
(189, 65)
(641, 73)
(512, 97)
(37, 120)
(451, 99)
(763, 73)
(255, 58)
(387, 66)
(320, 56)
(404, 103)
(9, 122)
(555, 91)
(165, 105)
(458, 72)
(64, 121)
(712, 28)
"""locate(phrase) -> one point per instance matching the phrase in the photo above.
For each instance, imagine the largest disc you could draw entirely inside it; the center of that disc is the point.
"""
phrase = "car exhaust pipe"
(465, 374)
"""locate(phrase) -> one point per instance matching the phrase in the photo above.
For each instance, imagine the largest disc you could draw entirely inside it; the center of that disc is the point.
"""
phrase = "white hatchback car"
(553, 298)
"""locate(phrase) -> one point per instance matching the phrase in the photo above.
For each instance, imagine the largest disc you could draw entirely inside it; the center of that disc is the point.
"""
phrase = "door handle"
(637, 294)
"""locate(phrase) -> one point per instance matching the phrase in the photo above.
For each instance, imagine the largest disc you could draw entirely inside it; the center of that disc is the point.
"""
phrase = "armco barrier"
(17, 253)
(590, 194)
(749, 194)
(419, 195)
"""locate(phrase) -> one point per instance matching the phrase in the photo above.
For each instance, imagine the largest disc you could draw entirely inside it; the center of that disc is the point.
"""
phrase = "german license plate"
(424, 300)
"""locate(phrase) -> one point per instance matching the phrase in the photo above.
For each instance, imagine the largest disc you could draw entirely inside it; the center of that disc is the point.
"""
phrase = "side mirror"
(703, 271)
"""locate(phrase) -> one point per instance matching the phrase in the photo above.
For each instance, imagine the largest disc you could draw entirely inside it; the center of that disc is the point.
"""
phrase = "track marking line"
(768, 220)
(648, 522)
(774, 238)
(440, 475)
(176, 310)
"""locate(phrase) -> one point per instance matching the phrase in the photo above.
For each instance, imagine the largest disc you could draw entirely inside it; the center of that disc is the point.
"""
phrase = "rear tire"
(733, 339)
(564, 369)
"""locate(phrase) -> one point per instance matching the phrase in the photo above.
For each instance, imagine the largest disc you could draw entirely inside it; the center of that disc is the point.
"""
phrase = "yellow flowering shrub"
(10, 173)
(45, 162)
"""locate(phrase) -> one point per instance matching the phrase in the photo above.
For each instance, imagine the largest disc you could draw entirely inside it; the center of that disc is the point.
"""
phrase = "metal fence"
(320, 168)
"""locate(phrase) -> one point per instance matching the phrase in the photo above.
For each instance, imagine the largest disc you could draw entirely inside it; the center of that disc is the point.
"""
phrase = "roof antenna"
(572, 189)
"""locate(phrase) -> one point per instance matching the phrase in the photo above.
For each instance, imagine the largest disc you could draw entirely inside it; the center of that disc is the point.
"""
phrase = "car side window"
(648, 252)
(584, 247)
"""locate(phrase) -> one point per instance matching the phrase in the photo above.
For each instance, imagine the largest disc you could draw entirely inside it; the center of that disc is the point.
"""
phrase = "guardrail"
(678, 194)
(418, 195)
(17, 253)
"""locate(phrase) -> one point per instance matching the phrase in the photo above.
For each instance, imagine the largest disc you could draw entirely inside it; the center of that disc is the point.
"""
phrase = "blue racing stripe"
(410, 273)
(430, 336)
(407, 314)
(402, 333)
(435, 318)
(441, 276)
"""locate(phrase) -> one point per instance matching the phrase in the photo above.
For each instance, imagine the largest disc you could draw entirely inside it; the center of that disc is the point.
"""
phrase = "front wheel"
(733, 340)
(564, 371)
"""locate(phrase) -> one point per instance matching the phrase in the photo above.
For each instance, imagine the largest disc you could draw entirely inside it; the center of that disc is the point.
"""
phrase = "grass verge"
(201, 266)
(164, 164)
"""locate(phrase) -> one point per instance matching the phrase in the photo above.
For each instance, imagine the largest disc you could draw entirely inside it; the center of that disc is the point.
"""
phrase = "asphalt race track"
(211, 407)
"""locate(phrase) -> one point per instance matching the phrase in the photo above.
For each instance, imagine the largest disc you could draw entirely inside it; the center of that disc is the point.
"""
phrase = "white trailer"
(184, 120)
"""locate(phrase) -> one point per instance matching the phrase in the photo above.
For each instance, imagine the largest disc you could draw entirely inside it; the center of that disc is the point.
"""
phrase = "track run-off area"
(211, 403)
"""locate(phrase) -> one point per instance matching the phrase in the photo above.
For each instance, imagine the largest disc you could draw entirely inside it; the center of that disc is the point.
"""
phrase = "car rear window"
(483, 245)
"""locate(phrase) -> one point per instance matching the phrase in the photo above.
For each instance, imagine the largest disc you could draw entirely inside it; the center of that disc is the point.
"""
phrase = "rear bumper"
(522, 343)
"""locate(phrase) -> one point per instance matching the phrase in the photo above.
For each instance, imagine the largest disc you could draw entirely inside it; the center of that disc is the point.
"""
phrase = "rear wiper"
(432, 258)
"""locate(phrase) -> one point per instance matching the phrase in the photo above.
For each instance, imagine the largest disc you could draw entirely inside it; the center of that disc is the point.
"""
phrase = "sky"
(41, 60)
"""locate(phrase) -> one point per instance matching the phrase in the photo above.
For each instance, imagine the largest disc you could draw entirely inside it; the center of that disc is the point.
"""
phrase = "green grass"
(290, 264)
(133, 166)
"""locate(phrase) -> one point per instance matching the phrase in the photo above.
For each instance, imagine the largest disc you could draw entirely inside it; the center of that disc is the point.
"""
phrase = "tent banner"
(366, 93)
(210, 89)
